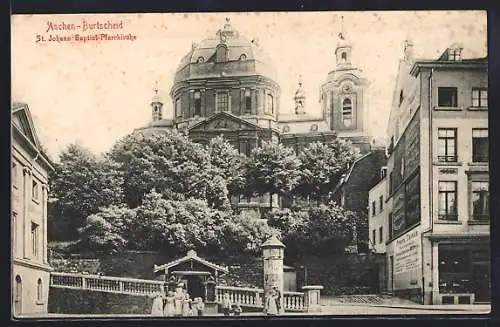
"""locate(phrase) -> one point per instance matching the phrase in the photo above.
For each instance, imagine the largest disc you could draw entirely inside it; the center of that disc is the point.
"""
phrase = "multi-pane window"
(178, 111)
(34, 239)
(381, 203)
(380, 234)
(480, 97)
(222, 101)
(480, 145)
(480, 200)
(447, 144)
(447, 200)
(447, 97)
(248, 101)
(34, 191)
(197, 103)
(347, 112)
(374, 208)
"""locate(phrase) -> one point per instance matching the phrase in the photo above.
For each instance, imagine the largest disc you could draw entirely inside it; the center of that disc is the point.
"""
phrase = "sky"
(96, 92)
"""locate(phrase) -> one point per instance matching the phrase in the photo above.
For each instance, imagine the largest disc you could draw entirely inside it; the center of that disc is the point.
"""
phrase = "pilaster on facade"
(27, 180)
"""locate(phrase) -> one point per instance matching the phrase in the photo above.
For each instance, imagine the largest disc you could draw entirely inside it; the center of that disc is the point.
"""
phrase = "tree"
(80, 185)
(107, 230)
(272, 168)
(170, 163)
(322, 166)
(323, 229)
(230, 163)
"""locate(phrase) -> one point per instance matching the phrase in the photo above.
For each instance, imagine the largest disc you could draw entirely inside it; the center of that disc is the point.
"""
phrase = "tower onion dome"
(240, 57)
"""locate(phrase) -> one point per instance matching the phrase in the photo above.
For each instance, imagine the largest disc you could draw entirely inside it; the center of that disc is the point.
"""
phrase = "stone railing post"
(312, 295)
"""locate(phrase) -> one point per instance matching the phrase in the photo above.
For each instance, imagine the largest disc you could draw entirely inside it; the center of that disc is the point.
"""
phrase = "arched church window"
(248, 101)
(197, 103)
(347, 112)
(178, 111)
(243, 57)
(200, 60)
(221, 53)
(270, 104)
(343, 57)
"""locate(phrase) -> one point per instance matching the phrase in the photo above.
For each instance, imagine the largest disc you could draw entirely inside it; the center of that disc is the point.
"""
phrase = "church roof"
(244, 57)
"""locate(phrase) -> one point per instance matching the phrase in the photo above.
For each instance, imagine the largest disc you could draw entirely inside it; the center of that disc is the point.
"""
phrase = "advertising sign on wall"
(408, 261)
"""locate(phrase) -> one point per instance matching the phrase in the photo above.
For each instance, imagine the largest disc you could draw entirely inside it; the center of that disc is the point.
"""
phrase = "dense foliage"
(160, 191)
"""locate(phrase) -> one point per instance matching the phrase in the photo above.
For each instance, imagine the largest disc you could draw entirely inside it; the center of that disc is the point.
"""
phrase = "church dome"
(240, 57)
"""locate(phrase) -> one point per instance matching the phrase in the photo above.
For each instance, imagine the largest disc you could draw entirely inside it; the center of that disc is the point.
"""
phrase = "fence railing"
(254, 297)
(106, 283)
(247, 297)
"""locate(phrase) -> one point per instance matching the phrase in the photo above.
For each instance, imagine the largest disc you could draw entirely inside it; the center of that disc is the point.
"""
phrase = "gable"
(224, 122)
(21, 119)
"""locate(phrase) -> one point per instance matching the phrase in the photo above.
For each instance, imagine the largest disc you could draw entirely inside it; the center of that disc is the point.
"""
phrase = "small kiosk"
(198, 276)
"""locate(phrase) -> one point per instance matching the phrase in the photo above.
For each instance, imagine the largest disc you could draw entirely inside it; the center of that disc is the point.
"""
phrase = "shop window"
(480, 200)
(447, 145)
(197, 103)
(454, 271)
(447, 200)
(447, 97)
(480, 145)
(480, 97)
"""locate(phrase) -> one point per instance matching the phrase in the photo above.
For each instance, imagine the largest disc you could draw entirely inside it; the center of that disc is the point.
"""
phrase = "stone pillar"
(45, 197)
(229, 101)
(191, 104)
(435, 273)
(312, 296)
(203, 95)
(254, 101)
(273, 255)
(26, 202)
(242, 101)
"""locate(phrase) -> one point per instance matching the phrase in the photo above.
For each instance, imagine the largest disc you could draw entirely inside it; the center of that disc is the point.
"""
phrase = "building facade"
(226, 85)
(29, 172)
(438, 180)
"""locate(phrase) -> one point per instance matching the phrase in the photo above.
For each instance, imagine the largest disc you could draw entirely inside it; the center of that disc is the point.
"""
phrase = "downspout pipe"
(431, 192)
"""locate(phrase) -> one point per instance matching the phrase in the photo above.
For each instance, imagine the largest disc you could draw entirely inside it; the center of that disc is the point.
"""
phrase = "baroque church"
(226, 85)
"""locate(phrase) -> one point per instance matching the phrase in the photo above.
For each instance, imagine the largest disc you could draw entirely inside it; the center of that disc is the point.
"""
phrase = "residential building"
(439, 248)
(29, 172)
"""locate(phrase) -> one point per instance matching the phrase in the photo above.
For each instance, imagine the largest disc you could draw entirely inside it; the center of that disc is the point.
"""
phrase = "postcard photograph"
(215, 165)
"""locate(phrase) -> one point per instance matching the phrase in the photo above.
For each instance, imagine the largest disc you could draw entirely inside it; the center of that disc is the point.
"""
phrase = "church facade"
(227, 85)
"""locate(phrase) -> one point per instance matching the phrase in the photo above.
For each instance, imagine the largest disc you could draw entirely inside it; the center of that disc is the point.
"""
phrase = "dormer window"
(454, 54)
(200, 60)
(243, 57)
(221, 53)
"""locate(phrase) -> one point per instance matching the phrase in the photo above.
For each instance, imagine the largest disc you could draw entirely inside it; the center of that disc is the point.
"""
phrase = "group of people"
(273, 302)
(228, 308)
(177, 304)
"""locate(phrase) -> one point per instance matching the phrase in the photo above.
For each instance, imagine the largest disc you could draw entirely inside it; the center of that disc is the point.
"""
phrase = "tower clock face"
(347, 87)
